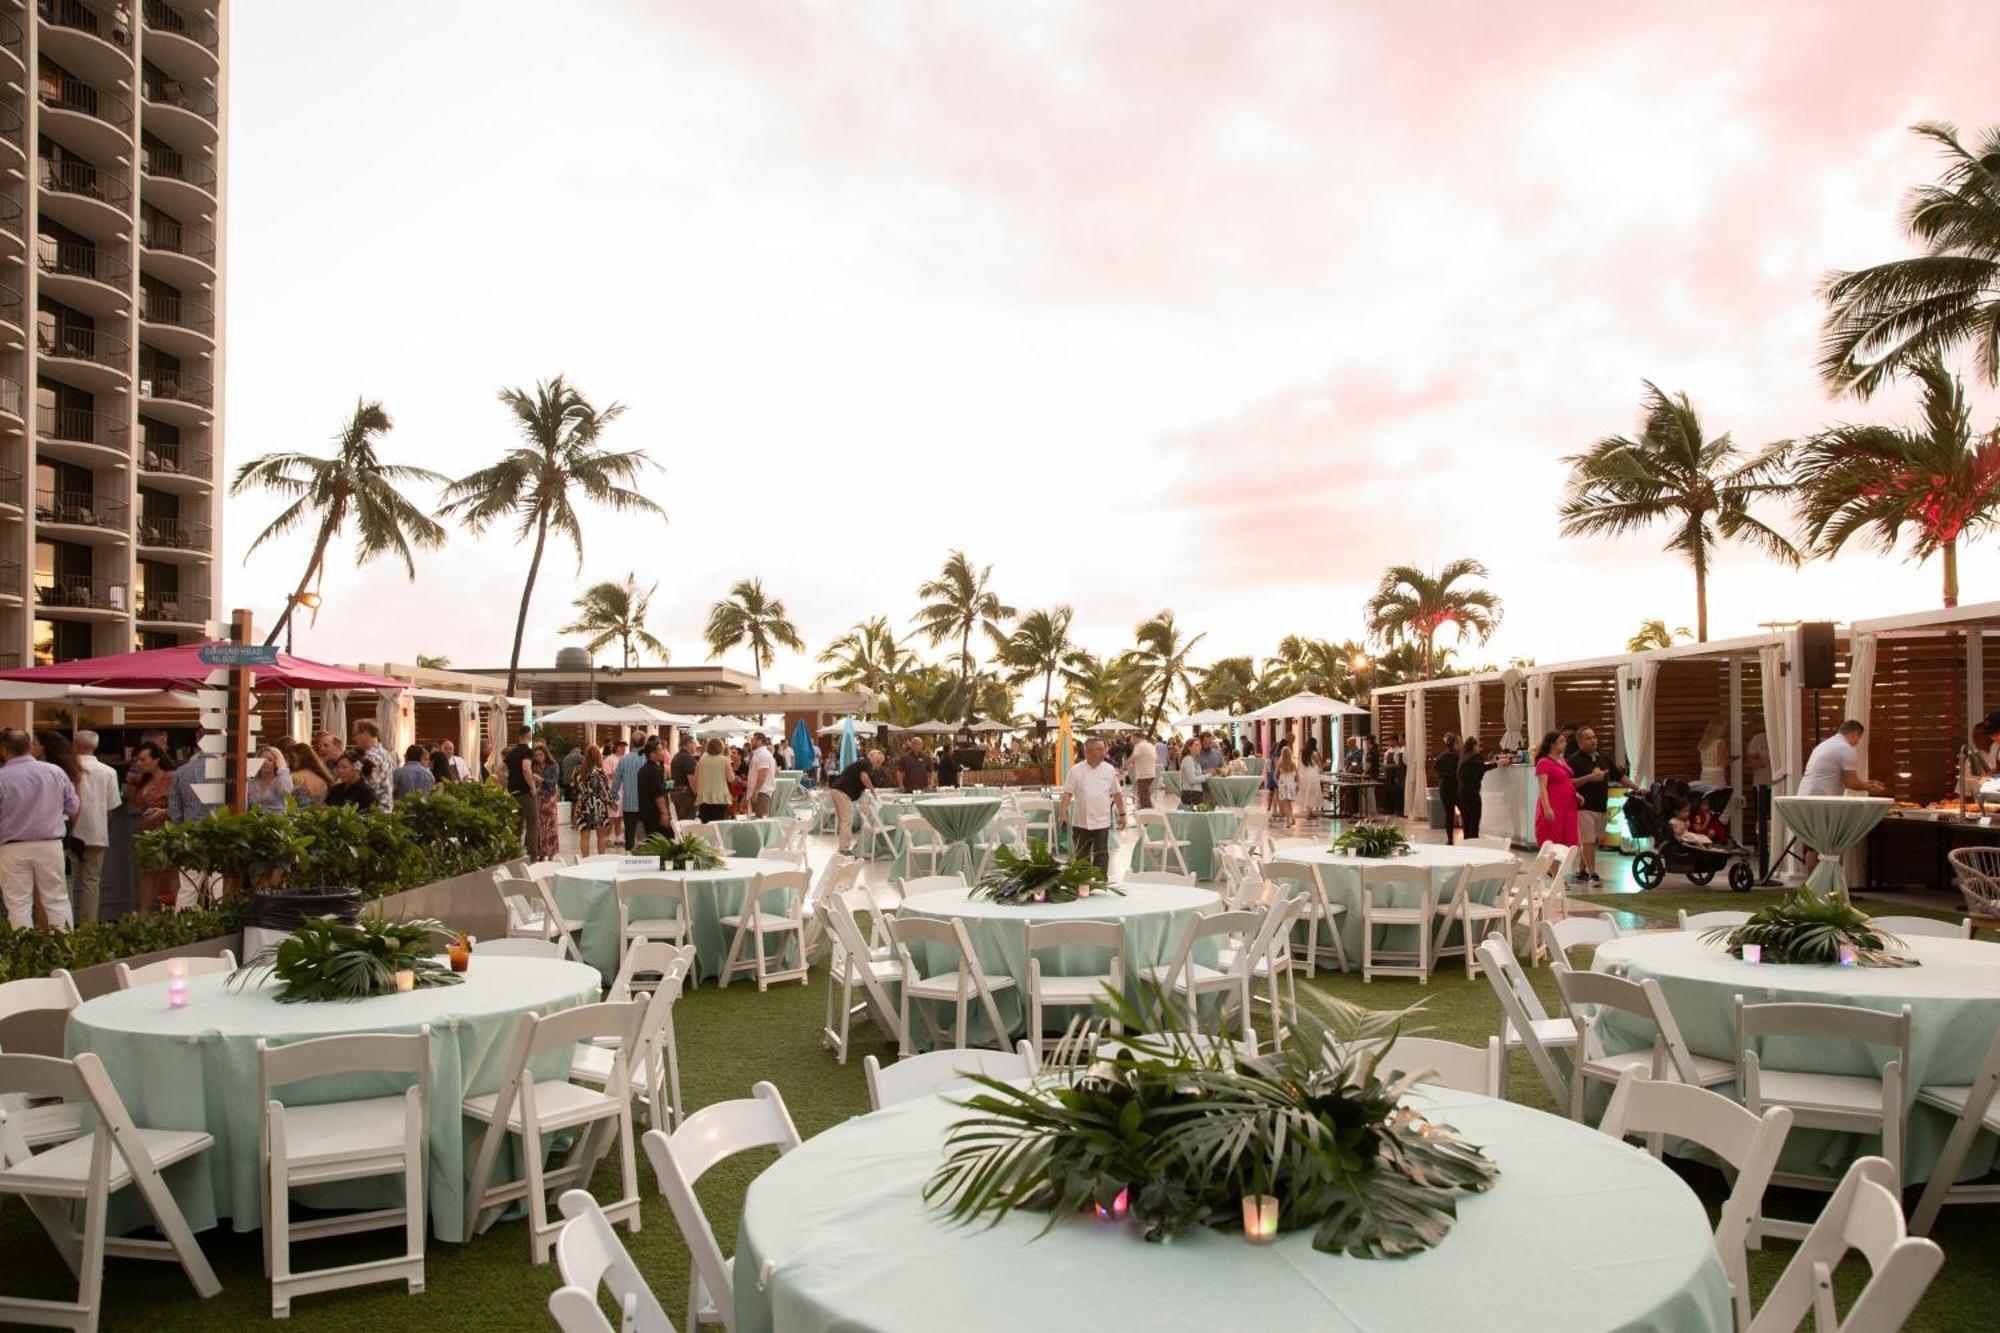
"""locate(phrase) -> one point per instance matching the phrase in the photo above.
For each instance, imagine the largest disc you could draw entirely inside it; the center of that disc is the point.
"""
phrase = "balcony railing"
(177, 460)
(73, 94)
(11, 124)
(10, 578)
(81, 509)
(87, 18)
(183, 312)
(175, 534)
(11, 303)
(10, 215)
(197, 28)
(81, 344)
(10, 396)
(180, 607)
(73, 259)
(10, 488)
(71, 176)
(174, 165)
(175, 386)
(82, 590)
(174, 238)
(12, 37)
(79, 425)
(184, 96)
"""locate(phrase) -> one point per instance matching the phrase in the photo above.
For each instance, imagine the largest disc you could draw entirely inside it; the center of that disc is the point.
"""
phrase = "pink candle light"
(1753, 953)
(1260, 1218)
(177, 984)
(1119, 1207)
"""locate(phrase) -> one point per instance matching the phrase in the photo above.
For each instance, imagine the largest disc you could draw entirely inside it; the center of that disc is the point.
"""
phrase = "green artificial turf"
(728, 1041)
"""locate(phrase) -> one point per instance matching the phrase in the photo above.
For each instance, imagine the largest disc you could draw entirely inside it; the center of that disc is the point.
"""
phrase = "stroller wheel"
(1741, 877)
(1700, 877)
(1649, 869)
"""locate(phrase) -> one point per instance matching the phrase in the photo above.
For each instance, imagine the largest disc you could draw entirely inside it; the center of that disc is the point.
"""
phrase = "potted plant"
(1372, 840)
(325, 959)
(690, 851)
(1038, 876)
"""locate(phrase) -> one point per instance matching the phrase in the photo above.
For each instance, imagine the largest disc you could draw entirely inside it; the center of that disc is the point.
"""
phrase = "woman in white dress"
(1288, 786)
(1309, 794)
(1714, 751)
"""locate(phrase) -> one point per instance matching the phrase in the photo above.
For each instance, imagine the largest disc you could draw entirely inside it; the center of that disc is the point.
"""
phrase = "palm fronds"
(1807, 927)
(326, 959)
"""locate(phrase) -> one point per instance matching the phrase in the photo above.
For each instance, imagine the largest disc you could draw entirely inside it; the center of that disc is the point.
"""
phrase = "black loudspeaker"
(1816, 655)
(1362, 726)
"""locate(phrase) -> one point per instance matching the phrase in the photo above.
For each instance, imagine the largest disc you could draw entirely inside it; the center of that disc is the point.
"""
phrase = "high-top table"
(1201, 830)
(1234, 790)
(1829, 825)
(196, 1068)
(751, 837)
(836, 1236)
(585, 890)
(1343, 876)
(958, 821)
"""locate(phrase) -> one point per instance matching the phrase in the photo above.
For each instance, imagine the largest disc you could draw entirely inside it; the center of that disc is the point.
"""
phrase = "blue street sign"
(239, 654)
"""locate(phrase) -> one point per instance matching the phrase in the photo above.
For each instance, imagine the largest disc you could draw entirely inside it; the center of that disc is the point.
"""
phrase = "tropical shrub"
(36, 953)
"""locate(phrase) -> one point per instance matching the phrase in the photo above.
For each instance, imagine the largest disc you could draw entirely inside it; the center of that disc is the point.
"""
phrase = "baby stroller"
(1670, 856)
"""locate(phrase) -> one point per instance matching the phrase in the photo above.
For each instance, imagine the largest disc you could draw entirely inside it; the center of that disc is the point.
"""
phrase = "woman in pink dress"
(1555, 799)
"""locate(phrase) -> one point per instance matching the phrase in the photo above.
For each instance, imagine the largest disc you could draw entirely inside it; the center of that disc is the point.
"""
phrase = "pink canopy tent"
(181, 667)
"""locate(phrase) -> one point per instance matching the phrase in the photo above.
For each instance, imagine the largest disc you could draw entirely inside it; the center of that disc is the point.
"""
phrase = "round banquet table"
(1830, 825)
(1153, 915)
(1344, 875)
(1200, 830)
(835, 1236)
(196, 1068)
(786, 792)
(958, 821)
(750, 837)
(1234, 791)
(584, 891)
(1954, 999)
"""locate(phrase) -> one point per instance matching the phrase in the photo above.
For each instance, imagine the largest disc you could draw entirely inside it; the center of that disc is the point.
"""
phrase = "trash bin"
(272, 915)
(1437, 812)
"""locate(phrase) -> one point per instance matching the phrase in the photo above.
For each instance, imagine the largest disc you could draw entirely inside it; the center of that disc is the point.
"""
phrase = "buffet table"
(1910, 849)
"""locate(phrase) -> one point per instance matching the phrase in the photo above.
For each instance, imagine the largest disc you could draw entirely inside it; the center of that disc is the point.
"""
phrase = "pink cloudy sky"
(1216, 307)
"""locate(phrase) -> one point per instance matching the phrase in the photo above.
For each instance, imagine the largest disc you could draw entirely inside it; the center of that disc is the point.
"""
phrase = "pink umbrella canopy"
(181, 667)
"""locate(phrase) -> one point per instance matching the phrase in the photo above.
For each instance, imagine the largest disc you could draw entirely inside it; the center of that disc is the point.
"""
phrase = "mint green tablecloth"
(1954, 1000)
(1617, 1241)
(196, 1068)
(1234, 792)
(585, 891)
(1343, 876)
(1200, 830)
(958, 821)
(1830, 825)
(1153, 915)
(751, 837)
(786, 790)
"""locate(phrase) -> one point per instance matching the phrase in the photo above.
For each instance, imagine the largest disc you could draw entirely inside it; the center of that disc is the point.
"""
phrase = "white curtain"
(1860, 687)
(1541, 708)
(468, 734)
(1638, 687)
(299, 715)
(1780, 720)
(1468, 709)
(1649, 693)
(333, 713)
(487, 761)
(1513, 708)
(1416, 749)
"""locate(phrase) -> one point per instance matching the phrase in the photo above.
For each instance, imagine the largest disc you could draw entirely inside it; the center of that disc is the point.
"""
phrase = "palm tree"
(1228, 683)
(559, 453)
(1039, 646)
(1161, 661)
(1655, 634)
(1936, 480)
(1102, 687)
(354, 483)
(748, 616)
(1410, 606)
(961, 601)
(616, 611)
(867, 657)
(1886, 319)
(1673, 473)
(1319, 665)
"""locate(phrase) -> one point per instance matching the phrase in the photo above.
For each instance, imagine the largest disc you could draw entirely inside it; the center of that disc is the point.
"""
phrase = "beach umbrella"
(803, 753)
(1207, 717)
(849, 752)
(1062, 749)
(930, 729)
(988, 728)
(1306, 704)
(728, 726)
(591, 712)
(1111, 725)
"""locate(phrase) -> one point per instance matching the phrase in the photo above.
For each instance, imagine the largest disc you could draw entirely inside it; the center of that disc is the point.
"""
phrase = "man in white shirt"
(97, 796)
(1145, 766)
(460, 770)
(760, 781)
(1834, 766)
(1093, 786)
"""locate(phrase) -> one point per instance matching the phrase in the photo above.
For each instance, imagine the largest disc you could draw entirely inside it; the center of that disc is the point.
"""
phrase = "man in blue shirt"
(626, 777)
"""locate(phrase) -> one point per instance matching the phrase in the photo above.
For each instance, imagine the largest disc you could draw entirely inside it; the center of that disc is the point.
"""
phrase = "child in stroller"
(1654, 815)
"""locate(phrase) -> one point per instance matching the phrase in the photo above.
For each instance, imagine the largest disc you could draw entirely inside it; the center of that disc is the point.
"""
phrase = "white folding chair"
(1417, 917)
(1446, 1064)
(655, 969)
(590, 1255)
(1038, 819)
(650, 907)
(53, 1122)
(531, 1109)
(1317, 913)
(546, 869)
(1159, 849)
(1163, 877)
(839, 875)
(1083, 991)
(774, 909)
(1748, 1143)
(1244, 938)
(855, 961)
(711, 833)
(1701, 921)
(1555, 864)
(87, 1170)
(1865, 1214)
(921, 844)
(1479, 901)
(1971, 1106)
(160, 973)
(933, 1072)
(1525, 1023)
(876, 833)
(547, 921)
(1559, 937)
(1921, 927)
(1237, 880)
(1253, 831)
(519, 947)
(922, 884)
(1667, 1057)
(1853, 1103)
(793, 848)
(714, 1134)
(323, 1142)
(957, 987)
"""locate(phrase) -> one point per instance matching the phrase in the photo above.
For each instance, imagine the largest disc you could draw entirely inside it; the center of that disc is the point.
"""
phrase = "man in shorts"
(1592, 772)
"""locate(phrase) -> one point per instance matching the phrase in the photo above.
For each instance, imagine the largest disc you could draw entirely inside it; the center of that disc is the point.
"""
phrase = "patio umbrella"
(1306, 704)
(1062, 749)
(181, 667)
(1112, 725)
(849, 752)
(659, 717)
(97, 695)
(727, 726)
(930, 729)
(803, 753)
(989, 727)
(591, 712)
(1207, 717)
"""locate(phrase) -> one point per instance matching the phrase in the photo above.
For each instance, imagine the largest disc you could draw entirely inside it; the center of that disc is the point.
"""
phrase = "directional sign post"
(239, 655)
(231, 699)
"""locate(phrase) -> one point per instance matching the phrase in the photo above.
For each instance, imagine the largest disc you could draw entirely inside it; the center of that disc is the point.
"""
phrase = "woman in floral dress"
(548, 778)
(590, 814)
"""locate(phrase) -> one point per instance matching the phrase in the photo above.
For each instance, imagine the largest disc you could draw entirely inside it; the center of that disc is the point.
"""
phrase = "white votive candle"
(406, 979)
(1260, 1218)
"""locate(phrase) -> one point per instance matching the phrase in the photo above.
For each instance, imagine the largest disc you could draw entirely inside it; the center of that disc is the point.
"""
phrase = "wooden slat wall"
(1440, 716)
(1492, 715)
(1917, 715)
(1692, 692)
(1589, 701)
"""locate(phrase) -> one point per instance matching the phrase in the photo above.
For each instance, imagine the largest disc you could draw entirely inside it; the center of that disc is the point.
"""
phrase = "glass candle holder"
(177, 984)
(1260, 1218)
(1848, 958)
(406, 979)
(1753, 953)
(1119, 1206)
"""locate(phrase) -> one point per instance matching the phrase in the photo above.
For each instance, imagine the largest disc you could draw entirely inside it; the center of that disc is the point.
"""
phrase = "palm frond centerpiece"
(1038, 876)
(1812, 928)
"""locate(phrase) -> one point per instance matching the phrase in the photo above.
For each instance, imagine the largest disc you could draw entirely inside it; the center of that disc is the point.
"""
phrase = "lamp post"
(310, 601)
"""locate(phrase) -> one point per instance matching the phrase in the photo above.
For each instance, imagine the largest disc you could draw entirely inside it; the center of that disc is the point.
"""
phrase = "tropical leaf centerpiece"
(1373, 840)
(1187, 1130)
(690, 851)
(1038, 876)
(1808, 927)
(329, 959)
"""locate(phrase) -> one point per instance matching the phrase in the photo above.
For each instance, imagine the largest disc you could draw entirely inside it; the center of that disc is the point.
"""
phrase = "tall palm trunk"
(1048, 688)
(1951, 572)
(527, 592)
(965, 673)
(326, 530)
(1700, 600)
